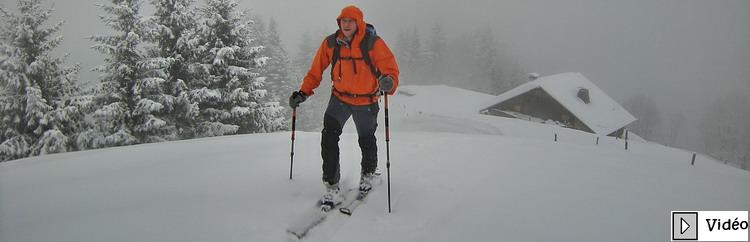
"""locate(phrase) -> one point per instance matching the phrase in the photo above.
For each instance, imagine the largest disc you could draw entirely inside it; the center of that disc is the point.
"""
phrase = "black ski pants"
(365, 120)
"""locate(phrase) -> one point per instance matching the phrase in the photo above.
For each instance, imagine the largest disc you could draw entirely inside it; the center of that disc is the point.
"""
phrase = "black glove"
(296, 98)
(385, 84)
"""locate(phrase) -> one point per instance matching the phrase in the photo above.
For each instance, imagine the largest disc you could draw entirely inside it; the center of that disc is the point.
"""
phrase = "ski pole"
(388, 151)
(294, 124)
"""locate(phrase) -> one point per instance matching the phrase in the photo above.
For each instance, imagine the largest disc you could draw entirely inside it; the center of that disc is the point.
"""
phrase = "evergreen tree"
(400, 50)
(226, 81)
(512, 74)
(131, 101)
(477, 56)
(279, 76)
(410, 56)
(36, 88)
(275, 70)
(645, 109)
(173, 19)
(674, 129)
(460, 69)
(278, 68)
(310, 113)
(486, 65)
(436, 55)
(305, 52)
(724, 128)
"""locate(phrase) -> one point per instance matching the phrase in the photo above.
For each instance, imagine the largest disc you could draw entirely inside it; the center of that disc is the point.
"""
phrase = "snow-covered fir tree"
(310, 113)
(226, 81)
(410, 56)
(37, 105)
(512, 74)
(279, 74)
(645, 109)
(726, 135)
(486, 66)
(172, 20)
(479, 57)
(305, 51)
(436, 54)
(273, 69)
(131, 102)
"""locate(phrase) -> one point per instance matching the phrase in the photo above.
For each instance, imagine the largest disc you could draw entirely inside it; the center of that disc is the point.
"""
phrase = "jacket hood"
(355, 13)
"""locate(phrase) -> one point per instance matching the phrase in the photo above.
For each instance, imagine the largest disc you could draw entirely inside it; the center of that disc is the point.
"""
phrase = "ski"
(349, 207)
(316, 216)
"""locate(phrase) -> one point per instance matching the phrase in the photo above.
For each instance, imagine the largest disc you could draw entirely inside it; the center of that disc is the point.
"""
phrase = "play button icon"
(684, 225)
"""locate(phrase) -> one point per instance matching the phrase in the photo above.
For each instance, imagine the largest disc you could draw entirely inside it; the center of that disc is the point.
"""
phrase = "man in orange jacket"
(357, 81)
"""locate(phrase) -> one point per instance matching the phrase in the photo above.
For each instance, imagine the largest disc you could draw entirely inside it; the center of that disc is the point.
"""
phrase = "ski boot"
(366, 182)
(331, 198)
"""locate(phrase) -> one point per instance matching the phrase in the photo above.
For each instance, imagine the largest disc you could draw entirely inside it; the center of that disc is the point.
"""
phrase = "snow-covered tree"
(131, 102)
(36, 88)
(172, 20)
(305, 53)
(226, 81)
(279, 66)
(478, 61)
(486, 65)
(512, 74)
(410, 56)
(278, 69)
(436, 54)
(645, 110)
(674, 129)
(725, 131)
(310, 113)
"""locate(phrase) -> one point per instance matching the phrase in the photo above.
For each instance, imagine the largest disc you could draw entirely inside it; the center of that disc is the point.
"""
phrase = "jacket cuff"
(307, 93)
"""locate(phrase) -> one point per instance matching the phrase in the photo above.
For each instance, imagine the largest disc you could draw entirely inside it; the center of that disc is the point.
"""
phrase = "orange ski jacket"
(353, 81)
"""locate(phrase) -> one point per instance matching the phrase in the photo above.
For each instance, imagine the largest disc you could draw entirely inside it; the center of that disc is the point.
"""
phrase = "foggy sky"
(683, 53)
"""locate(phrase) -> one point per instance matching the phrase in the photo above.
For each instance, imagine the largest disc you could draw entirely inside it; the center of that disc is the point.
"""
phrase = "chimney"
(533, 76)
(583, 94)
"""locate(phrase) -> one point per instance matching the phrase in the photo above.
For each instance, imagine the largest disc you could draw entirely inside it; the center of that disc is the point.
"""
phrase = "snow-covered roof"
(602, 114)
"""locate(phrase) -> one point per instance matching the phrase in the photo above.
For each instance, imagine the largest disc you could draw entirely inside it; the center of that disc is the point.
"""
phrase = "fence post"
(626, 139)
(597, 140)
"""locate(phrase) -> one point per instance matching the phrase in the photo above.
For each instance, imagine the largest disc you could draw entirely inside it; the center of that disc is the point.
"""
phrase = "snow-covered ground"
(456, 176)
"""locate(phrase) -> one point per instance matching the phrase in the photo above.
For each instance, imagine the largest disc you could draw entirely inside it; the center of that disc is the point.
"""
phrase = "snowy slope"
(456, 176)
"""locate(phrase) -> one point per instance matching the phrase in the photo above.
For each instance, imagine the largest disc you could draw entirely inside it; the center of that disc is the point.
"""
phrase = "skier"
(362, 67)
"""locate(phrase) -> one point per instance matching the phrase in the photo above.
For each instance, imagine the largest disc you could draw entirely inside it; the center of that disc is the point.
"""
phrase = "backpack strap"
(332, 43)
(367, 43)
